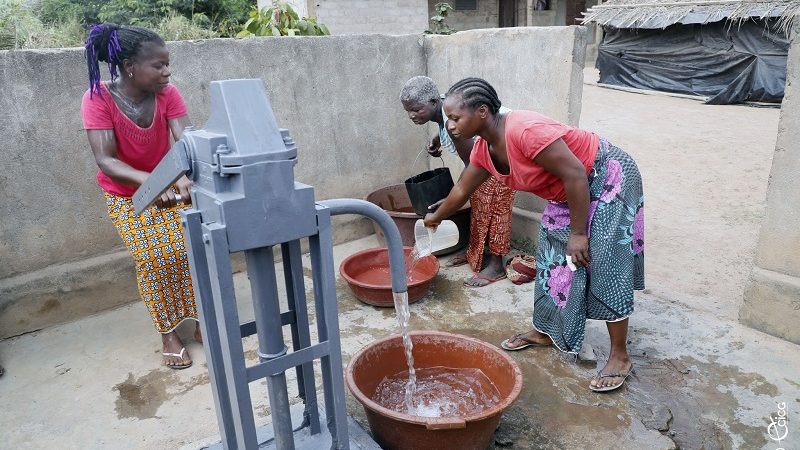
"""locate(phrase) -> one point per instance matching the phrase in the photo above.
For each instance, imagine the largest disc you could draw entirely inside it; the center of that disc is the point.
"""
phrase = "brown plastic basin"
(393, 430)
(367, 273)
(394, 200)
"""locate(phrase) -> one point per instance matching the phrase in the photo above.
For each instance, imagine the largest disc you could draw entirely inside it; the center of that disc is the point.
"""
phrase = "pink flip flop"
(489, 281)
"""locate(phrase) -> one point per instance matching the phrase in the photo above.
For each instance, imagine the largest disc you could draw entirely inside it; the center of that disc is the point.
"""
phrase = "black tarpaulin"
(727, 62)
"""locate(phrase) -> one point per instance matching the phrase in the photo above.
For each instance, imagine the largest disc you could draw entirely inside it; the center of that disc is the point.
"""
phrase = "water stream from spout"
(403, 316)
(422, 248)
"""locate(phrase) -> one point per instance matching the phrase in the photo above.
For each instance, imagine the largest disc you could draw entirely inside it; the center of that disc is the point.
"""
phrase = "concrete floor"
(703, 380)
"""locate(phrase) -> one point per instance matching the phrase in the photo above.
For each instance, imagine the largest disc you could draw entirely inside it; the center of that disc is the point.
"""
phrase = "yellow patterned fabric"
(155, 240)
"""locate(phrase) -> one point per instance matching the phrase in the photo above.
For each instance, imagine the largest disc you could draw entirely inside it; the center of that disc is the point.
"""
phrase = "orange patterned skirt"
(490, 221)
(155, 240)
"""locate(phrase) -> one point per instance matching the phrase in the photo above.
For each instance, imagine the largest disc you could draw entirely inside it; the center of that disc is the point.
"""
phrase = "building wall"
(338, 96)
(772, 298)
(486, 15)
(556, 15)
(372, 16)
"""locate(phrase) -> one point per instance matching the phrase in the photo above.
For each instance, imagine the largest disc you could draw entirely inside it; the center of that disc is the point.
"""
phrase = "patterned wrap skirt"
(155, 240)
(490, 220)
(563, 299)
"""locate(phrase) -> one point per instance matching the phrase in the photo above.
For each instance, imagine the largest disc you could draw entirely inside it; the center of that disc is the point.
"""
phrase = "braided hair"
(476, 92)
(112, 44)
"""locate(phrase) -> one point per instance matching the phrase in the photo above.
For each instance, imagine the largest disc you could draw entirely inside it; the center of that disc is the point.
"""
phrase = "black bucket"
(428, 188)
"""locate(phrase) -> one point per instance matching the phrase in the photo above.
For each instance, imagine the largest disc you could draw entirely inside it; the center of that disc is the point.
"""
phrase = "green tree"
(280, 19)
(60, 11)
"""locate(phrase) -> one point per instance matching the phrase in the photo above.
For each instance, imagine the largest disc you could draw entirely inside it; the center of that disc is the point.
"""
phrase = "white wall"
(373, 16)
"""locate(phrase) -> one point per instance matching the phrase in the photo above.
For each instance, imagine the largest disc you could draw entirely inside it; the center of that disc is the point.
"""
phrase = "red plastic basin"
(367, 273)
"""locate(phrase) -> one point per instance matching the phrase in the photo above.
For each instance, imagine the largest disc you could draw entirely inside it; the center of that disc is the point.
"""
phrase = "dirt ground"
(703, 380)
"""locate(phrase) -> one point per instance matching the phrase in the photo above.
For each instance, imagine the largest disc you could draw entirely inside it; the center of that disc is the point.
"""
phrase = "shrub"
(280, 19)
(176, 27)
(439, 20)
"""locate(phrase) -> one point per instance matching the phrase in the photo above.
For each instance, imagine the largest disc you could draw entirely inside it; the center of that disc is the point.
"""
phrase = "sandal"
(505, 345)
(487, 280)
(178, 355)
(600, 375)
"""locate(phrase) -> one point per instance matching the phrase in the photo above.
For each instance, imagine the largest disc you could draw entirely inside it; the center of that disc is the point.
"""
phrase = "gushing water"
(440, 392)
(403, 316)
(422, 248)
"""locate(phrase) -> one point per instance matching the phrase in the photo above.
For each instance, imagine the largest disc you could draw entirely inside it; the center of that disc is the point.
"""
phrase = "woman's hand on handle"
(184, 184)
(167, 199)
(431, 221)
(170, 198)
(435, 147)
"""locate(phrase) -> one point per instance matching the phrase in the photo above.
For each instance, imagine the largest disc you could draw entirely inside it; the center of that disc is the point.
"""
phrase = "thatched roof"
(662, 13)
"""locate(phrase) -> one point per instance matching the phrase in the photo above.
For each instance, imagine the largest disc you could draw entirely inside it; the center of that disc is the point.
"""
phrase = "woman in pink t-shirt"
(590, 255)
(129, 122)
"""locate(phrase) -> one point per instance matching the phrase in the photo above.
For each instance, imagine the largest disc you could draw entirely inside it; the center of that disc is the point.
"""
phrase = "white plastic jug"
(428, 241)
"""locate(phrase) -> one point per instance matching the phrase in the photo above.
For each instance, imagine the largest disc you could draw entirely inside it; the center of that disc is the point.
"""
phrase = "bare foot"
(175, 354)
(618, 363)
(494, 271)
(524, 340)
(458, 260)
(198, 336)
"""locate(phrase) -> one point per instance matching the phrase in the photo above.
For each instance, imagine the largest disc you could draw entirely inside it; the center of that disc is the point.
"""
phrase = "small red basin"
(367, 273)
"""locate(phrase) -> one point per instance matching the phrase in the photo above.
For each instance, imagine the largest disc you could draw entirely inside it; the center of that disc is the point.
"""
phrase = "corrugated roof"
(661, 14)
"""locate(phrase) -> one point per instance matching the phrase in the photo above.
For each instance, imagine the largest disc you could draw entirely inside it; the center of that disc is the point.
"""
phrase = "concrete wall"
(772, 298)
(338, 96)
(373, 16)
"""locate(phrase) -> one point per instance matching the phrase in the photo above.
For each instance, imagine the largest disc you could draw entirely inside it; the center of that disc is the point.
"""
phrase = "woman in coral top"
(590, 257)
(129, 122)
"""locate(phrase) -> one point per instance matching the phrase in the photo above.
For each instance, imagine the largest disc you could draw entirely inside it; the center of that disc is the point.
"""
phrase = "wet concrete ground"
(701, 382)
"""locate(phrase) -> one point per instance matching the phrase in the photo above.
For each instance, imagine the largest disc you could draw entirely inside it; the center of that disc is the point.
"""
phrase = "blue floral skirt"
(563, 299)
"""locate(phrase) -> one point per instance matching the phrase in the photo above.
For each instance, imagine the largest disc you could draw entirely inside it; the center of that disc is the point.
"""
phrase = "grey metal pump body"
(244, 198)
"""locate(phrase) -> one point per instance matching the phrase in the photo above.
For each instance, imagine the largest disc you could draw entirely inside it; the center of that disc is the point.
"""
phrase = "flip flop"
(600, 375)
(489, 281)
(458, 260)
(178, 355)
(527, 343)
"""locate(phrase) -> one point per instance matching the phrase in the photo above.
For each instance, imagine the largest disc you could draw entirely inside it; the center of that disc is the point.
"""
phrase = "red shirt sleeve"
(175, 105)
(534, 139)
(95, 112)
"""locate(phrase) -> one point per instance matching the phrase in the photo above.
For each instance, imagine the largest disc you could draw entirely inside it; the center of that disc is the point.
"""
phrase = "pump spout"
(397, 260)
